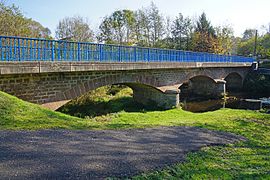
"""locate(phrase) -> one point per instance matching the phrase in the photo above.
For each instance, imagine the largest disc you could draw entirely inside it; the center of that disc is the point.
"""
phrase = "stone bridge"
(52, 84)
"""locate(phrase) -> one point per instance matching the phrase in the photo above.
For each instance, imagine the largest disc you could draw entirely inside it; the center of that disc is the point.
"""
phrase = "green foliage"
(143, 27)
(13, 23)
(203, 42)
(181, 30)
(204, 26)
(246, 46)
(74, 28)
(224, 39)
(118, 28)
(249, 34)
(257, 84)
(204, 37)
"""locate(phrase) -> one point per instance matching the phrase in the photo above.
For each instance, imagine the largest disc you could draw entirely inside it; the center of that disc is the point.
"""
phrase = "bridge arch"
(201, 86)
(234, 82)
(144, 89)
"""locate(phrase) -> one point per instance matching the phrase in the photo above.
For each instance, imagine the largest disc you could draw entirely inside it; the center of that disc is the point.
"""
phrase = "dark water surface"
(211, 104)
(233, 102)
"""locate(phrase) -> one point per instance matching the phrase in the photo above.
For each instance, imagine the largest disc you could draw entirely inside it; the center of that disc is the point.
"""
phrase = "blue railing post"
(100, 53)
(52, 49)
(38, 46)
(119, 53)
(19, 50)
(148, 54)
(2, 58)
(31, 50)
(135, 54)
(9, 50)
(78, 51)
(65, 50)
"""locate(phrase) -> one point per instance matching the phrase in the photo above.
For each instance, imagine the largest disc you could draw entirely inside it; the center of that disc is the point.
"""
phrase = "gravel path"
(64, 154)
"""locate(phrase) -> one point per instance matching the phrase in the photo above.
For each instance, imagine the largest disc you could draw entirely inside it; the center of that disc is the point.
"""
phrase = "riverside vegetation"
(244, 160)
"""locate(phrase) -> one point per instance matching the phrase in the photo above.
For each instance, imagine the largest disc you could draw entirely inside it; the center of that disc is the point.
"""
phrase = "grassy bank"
(249, 159)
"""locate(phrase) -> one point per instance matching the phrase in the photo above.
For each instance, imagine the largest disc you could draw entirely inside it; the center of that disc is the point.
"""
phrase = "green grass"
(244, 160)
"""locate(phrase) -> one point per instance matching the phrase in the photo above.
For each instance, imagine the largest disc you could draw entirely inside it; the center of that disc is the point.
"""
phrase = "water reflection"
(211, 104)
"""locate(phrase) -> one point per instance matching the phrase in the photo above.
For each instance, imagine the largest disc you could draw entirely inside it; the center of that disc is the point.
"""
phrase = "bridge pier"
(150, 96)
(220, 87)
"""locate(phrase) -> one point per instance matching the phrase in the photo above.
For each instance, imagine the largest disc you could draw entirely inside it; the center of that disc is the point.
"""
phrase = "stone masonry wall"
(43, 88)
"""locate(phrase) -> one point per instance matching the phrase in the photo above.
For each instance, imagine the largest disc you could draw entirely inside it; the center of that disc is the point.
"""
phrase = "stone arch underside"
(202, 86)
(234, 82)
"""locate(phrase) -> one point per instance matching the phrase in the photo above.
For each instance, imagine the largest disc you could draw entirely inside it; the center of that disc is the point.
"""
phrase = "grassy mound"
(18, 114)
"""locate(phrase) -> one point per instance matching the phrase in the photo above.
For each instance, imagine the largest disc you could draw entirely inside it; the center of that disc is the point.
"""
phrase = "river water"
(231, 101)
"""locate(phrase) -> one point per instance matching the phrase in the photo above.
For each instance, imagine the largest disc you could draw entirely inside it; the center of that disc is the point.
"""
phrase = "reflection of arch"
(234, 82)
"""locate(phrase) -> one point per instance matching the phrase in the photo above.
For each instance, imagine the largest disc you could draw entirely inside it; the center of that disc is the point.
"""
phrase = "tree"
(156, 25)
(106, 34)
(74, 28)
(149, 27)
(118, 28)
(13, 23)
(224, 40)
(142, 27)
(248, 34)
(167, 42)
(181, 30)
(264, 47)
(204, 26)
(204, 38)
(203, 43)
(246, 47)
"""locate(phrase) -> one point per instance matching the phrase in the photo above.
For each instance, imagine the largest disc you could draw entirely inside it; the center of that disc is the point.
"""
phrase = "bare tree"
(74, 28)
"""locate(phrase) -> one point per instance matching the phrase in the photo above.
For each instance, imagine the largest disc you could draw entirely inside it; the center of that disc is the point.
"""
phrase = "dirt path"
(64, 154)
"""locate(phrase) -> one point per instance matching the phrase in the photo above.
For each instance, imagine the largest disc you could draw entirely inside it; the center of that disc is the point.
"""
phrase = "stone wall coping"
(33, 67)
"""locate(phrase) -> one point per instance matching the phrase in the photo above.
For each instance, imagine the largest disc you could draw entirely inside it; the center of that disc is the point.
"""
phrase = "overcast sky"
(241, 14)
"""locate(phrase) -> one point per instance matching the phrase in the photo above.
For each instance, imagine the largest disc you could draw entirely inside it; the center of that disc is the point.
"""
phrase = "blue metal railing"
(32, 49)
